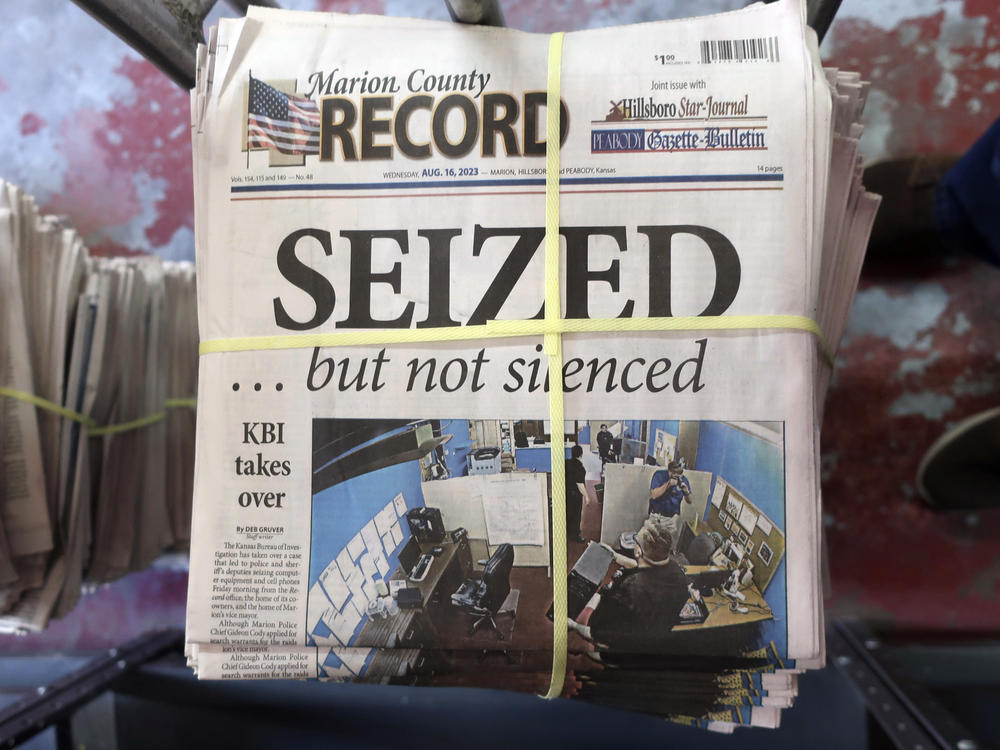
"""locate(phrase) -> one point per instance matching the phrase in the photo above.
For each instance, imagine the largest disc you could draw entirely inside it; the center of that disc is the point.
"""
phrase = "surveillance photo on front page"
(374, 468)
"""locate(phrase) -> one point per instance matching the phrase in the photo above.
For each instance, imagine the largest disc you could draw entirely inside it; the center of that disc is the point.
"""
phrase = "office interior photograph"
(434, 533)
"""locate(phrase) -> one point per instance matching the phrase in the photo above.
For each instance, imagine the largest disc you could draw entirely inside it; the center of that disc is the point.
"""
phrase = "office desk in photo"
(719, 613)
(403, 628)
(591, 572)
(416, 626)
(391, 666)
(445, 566)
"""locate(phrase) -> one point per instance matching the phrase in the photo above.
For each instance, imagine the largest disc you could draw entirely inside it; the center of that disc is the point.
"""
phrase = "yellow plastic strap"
(553, 348)
(500, 328)
(344, 338)
(92, 429)
(50, 406)
(135, 424)
(177, 403)
(497, 329)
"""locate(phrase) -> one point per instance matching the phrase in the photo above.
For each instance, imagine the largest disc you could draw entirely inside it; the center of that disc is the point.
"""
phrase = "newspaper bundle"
(97, 465)
(373, 495)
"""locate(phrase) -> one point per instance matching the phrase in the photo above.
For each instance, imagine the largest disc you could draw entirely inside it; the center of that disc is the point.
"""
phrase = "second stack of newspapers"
(373, 482)
(98, 367)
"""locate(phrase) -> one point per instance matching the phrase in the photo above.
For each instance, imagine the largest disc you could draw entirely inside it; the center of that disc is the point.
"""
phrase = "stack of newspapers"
(97, 464)
(390, 484)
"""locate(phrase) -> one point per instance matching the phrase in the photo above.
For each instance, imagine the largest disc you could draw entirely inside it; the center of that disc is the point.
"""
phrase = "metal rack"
(167, 32)
(53, 704)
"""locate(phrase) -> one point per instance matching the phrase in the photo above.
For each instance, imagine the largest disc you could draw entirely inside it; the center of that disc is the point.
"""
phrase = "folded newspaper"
(97, 463)
(380, 457)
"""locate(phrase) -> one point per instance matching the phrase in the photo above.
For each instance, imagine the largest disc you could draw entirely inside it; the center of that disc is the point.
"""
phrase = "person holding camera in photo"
(668, 489)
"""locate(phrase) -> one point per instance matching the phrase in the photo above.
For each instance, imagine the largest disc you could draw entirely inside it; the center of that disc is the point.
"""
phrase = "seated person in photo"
(639, 609)
(702, 547)
(668, 488)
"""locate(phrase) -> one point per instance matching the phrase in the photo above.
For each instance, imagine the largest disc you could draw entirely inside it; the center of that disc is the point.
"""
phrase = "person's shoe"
(961, 470)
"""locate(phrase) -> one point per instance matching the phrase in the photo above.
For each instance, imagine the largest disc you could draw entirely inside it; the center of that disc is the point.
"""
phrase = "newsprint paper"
(380, 511)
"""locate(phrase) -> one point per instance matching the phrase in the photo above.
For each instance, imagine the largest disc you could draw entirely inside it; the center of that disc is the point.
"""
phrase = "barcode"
(763, 48)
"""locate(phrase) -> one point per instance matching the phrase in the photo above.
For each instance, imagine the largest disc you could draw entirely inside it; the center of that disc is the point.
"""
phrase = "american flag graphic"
(280, 121)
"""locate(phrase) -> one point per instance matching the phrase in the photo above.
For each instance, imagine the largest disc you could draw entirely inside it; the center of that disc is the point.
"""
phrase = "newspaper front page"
(84, 496)
(361, 174)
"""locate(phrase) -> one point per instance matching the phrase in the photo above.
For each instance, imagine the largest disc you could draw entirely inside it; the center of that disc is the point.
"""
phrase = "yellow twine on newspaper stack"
(177, 403)
(553, 348)
(498, 329)
(93, 429)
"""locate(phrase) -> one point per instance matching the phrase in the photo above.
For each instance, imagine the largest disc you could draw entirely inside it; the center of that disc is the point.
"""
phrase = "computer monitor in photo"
(426, 525)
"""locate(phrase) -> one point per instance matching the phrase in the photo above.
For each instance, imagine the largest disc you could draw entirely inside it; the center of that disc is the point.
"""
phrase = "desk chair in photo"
(483, 597)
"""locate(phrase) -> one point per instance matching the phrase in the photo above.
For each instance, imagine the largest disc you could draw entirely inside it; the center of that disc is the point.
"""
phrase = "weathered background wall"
(100, 136)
